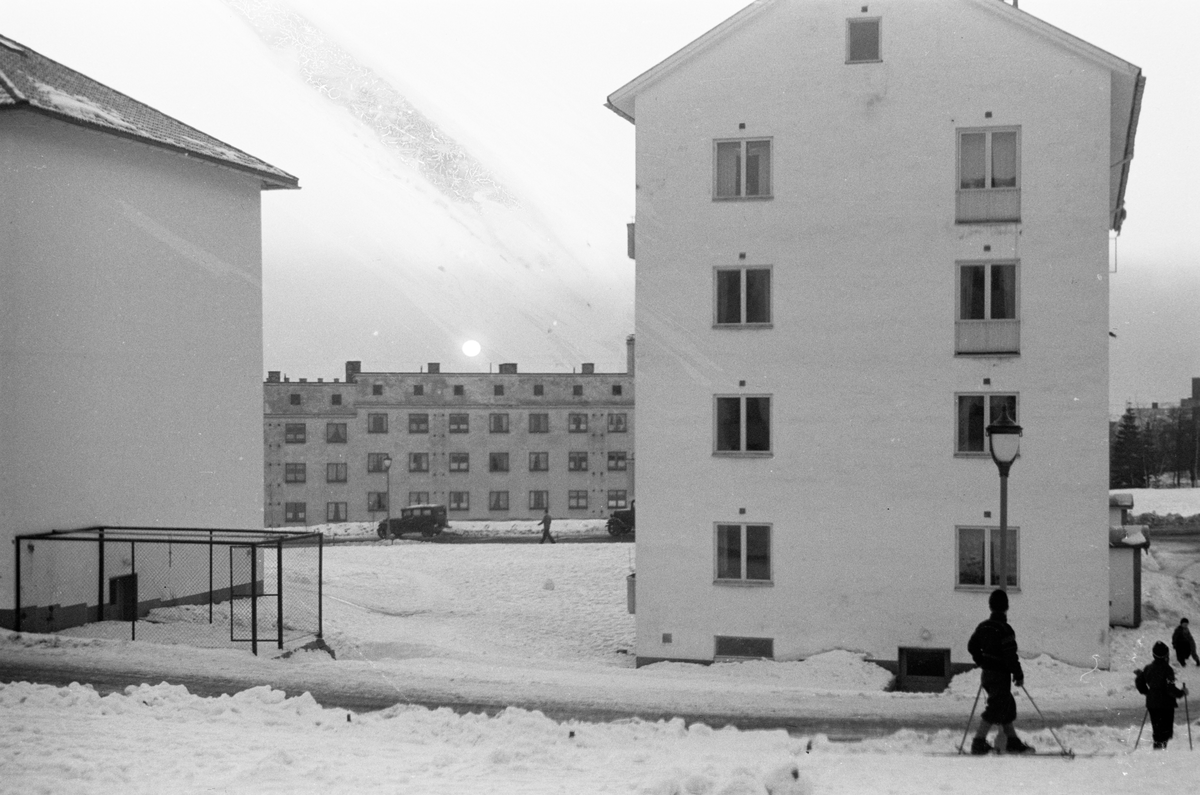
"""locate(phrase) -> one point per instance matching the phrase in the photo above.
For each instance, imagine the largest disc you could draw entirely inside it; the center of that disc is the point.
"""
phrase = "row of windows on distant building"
(418, 390)
(743, 422)
(337, 471)
(377, 502)
(498, 422)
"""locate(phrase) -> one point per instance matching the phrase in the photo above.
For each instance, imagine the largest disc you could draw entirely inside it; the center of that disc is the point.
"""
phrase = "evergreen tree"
(1127, 468)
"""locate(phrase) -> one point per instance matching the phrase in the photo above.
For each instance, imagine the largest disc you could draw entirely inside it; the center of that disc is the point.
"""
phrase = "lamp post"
(1004, 443)
(387, 495)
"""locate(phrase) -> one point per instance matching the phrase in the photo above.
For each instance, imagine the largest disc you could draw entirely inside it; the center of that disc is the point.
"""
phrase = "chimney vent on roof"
(352, 369)
(509, 368)
(589, 368)
(435, 367)
(272, 376)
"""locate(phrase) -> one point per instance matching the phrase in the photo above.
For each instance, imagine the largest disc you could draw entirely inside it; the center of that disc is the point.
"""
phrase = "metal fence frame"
(255, 540)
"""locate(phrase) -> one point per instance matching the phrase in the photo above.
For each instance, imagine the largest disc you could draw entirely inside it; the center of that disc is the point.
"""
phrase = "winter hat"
(1183, 621)
(1161, 652)
(998, 601)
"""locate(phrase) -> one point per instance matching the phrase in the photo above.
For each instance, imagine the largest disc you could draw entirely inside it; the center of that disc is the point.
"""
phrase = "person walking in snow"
(545, 523)
(1157, 683)
(993, 646)
(1184, 643)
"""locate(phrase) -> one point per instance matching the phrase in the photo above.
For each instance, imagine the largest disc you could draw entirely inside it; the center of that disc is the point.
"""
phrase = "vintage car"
(428, 519)
(621, 522)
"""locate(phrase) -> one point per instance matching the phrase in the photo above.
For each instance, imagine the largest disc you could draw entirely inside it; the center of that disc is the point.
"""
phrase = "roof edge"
(621, 100)
(1135, 113)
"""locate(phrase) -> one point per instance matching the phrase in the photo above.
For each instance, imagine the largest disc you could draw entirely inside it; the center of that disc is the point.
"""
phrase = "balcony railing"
(987, 205)
(987, 336)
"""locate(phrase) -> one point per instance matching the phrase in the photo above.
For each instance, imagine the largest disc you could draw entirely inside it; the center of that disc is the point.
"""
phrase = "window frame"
(539, 500)
(618, 461)
(295, 433)
(577, 499)
(577, 422)
(418, 422)
(295, 472)
(334, 469)
(574, 459)
(986, 203)
(537, 457)
(618, 422)
(337, 511)
(617, 499)
(988, 418)
(374, 425)
(991, 544)
(458, 500)
(742, 323)
(850, 23)
(987, 336)
(295, 512)
(334, 430)
(375, 462)
(377, 501)
(458, 462)
(459, 422)
(741, 194)
(539, 422)
(498, 422)
(496, 459)
(418, 462)
(741, 451)
(743, 578)
(418, 497)
(498, 501)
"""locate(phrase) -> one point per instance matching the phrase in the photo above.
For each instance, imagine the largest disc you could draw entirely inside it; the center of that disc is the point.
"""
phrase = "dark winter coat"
(1184, 643)
(993, 647)
(1157, 683)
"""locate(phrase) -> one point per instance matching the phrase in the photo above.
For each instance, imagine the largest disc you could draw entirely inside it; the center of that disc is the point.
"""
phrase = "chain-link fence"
(197, 587)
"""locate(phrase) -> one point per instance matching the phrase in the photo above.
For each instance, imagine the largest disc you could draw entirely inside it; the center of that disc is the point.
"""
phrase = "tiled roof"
(31, 80)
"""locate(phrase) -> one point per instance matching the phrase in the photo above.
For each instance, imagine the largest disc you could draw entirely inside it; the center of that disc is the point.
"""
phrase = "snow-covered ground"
(529, 624)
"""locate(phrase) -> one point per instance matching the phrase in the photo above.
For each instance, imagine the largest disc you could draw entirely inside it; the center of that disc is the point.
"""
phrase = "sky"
(369, 262)
(547, 627)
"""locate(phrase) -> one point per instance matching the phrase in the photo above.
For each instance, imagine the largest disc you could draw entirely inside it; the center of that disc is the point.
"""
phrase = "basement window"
(735, 648)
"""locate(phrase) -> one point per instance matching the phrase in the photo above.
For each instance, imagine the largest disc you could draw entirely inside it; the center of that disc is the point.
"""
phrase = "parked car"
(621, 522)
(428, 519)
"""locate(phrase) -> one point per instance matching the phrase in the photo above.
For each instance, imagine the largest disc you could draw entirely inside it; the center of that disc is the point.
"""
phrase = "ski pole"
(1139, 737)
(973, 706)
(1188, 715)
(1066, 751)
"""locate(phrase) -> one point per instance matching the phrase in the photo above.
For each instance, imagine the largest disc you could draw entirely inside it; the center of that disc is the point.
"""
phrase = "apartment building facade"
(864, 231)
(503, 445)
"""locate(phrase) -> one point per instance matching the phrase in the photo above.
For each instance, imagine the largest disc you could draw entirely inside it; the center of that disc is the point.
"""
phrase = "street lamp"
(1004, 443)
(387, 496)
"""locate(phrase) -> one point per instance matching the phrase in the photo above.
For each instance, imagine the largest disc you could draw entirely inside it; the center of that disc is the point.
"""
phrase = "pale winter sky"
(520, 84)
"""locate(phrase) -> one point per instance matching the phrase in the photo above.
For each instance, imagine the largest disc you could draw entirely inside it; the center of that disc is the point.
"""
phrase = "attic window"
(863, 40)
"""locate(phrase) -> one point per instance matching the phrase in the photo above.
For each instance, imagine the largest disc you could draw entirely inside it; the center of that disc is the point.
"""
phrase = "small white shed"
(1125, 545)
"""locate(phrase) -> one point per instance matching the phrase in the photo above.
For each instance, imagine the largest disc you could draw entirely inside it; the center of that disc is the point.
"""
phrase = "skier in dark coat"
(993, 646)
(1157, 683)
(1184, 643)
(545, 523)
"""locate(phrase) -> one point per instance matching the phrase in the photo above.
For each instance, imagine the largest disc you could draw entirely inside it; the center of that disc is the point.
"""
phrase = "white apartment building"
(864, 230)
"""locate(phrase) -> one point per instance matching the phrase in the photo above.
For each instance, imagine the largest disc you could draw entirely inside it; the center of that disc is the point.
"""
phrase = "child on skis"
(1157, 683)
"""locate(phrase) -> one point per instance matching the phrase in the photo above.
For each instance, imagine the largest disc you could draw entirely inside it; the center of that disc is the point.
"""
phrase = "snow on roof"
(29, 79)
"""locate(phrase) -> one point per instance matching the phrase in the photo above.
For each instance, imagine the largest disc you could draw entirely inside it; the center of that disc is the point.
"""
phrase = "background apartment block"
(504, 445)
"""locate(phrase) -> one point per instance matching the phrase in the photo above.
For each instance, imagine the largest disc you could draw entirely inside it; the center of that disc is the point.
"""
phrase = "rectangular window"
(335, 433)
(577, 423)
(376, 389)
(975, 413)
(375, 462)
(498, 423)
(497, 500)
(539, 462)
(497, 462)
(742, 169)
(617, 461)
(377, 423)
(743, 552)
(617, 498)
(539, 390)
(498, 390)
(743, 424)
(577, 461)
(577, 390)
(862, 40)
(418, 462)
(743, 296)
(294, 399)
(459, 501)
(460, 423)
(987, 321)
(617, 389)
(418, 389)
(618, 422)
(335, 399)
(336, 511)
(979, 551)
(418, 423)
(295, 433)
(459, 390)
(335, 472)
(294, 473)
(460, 462)
(377, 501)
(577, 499)
(988, 176)
(295, 512)
(418, 497)
(539, 423)
(539, 500)
(734, 648)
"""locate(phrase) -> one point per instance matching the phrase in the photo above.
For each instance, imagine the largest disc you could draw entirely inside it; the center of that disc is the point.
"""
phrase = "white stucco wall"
(863, 490)
(130, 336)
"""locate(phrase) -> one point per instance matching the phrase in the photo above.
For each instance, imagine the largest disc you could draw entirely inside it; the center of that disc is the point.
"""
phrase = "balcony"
(987, 337)
(987, 205)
